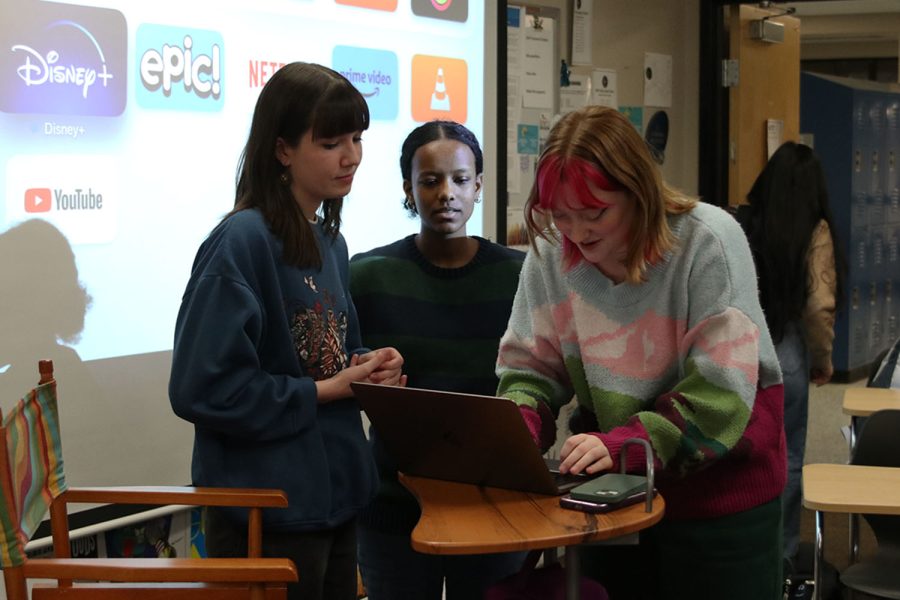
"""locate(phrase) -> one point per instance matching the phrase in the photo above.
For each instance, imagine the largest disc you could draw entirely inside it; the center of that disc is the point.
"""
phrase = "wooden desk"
(861, 402)
(847, 489)
(459, 518)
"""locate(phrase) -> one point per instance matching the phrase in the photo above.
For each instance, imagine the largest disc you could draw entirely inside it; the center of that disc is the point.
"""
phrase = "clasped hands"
(378, 366)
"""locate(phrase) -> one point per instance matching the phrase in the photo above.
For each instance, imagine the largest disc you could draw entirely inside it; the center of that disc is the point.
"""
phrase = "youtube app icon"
(76, 194)
(37, 200)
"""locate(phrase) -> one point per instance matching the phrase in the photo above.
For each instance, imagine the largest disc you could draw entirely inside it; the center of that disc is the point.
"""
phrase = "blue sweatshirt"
(252, 336)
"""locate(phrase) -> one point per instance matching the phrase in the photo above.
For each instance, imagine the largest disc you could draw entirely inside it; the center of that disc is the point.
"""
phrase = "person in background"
(267, 340)
(442, 298)
(642, 304)
(791, 233)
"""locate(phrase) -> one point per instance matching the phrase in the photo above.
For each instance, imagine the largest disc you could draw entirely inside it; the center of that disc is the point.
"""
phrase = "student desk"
(862, 402)
(847, 489)
(461, 518)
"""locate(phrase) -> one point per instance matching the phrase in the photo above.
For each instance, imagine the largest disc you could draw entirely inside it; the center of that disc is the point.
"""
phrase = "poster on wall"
(537, 63)
(575, 95)
(604, 90)
(582, 32)
(657, 79)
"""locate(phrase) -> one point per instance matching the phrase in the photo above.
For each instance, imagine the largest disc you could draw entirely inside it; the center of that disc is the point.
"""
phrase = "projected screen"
(121, 125)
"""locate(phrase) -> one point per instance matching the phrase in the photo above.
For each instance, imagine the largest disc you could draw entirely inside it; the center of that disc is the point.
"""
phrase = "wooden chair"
(32, 478)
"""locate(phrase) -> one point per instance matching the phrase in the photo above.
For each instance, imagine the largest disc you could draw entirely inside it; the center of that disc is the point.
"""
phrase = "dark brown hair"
(299, 97)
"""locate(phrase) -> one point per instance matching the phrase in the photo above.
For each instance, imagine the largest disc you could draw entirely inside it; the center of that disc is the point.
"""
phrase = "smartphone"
(568, 501)
(610, 488)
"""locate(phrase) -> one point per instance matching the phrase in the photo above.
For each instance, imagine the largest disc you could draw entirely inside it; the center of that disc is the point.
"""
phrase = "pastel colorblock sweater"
(683, 360)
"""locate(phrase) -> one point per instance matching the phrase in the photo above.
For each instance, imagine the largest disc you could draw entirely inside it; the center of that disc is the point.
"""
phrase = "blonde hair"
(605, 140)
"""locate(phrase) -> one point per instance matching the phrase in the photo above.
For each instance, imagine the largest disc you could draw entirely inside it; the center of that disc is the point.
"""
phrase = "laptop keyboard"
(568, 479)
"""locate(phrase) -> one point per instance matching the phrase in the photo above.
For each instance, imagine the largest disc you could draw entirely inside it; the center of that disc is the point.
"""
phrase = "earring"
(285, 180)
(477, 199)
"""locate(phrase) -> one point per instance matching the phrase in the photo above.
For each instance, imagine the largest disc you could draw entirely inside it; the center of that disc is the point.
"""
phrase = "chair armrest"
(133, 570)
(162, 495)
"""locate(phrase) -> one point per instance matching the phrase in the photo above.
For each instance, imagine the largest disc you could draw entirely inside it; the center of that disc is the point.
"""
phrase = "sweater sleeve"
(530, 362)
(818, 314)
(217, 381)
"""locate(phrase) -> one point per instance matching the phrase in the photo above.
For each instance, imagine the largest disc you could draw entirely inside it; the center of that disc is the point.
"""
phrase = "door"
(767, 91)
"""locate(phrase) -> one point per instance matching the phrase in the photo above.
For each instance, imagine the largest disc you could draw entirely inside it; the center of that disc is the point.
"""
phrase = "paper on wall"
(538, 70)
(657, 79)
(604, 90)
(582, 32)
(575, 95)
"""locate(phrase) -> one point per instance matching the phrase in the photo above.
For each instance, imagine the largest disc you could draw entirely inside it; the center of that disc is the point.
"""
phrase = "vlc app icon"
(440, 88)
(37, 200)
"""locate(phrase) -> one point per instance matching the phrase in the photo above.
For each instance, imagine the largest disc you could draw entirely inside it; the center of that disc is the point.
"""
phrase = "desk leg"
(819, 558)
(573, 573)
(854, 518)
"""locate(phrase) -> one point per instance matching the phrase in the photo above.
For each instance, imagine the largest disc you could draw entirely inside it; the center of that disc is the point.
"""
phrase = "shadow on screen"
(42, 311)
(42, 307)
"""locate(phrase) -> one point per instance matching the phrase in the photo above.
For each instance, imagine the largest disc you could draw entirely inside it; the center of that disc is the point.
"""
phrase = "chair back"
(32, 484)
(879, 446)
(31, 467)
(883, 372)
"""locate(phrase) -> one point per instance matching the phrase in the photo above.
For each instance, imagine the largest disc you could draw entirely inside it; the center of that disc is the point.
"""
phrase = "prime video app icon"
(374, 73)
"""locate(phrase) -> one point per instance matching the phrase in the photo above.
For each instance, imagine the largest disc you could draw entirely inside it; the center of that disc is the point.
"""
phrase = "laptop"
(467, 438)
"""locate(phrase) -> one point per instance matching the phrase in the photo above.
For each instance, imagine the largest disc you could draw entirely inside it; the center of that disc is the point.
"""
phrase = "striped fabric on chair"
(34, 452)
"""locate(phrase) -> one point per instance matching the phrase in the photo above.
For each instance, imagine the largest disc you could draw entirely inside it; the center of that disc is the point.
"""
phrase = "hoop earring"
(477, 199)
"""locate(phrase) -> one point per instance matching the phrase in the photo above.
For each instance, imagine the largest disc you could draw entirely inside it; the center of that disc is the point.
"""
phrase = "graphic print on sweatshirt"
(319, 333)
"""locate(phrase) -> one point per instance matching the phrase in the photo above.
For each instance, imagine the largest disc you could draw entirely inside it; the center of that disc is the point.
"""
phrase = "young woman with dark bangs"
(267, 340)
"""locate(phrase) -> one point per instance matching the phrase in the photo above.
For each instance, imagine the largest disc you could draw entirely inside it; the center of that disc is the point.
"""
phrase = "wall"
(846, 36)
(622, 33)
(872, 35)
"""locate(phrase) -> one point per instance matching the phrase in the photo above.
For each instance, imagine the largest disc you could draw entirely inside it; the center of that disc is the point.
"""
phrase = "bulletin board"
(532, 83)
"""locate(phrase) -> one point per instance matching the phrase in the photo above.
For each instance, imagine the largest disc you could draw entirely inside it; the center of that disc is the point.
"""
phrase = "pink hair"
(564, 182)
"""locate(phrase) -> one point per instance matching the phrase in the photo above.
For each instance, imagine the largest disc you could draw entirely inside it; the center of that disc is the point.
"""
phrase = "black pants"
(326, 559)
(735, 557)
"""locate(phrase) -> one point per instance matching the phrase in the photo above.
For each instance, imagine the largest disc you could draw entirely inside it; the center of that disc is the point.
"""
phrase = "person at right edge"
(642, 303)
(791, 234)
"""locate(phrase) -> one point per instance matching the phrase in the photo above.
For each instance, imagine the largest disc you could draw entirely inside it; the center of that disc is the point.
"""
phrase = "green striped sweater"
(447, 325)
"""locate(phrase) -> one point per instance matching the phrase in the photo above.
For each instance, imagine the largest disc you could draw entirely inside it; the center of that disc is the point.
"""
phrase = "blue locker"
(855, 127)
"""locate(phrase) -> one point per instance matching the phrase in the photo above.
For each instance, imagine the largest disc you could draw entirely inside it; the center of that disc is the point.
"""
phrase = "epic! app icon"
(179, 69)
(63, 59)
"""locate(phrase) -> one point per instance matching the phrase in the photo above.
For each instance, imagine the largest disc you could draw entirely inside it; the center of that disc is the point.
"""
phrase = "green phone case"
(610, 488)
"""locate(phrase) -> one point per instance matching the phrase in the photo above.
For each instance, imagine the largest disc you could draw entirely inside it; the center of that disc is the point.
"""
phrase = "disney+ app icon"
(63, 59)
